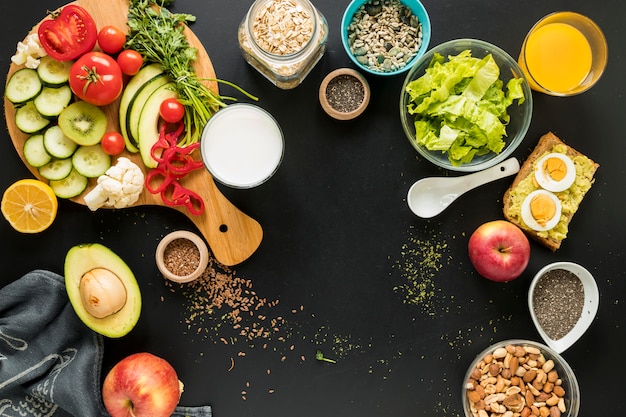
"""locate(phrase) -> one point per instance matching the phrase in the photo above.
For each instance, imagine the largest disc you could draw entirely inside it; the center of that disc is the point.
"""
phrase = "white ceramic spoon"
(430, 196)
(590, 306)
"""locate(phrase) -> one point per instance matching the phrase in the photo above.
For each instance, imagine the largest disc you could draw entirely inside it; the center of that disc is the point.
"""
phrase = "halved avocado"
(102, 289)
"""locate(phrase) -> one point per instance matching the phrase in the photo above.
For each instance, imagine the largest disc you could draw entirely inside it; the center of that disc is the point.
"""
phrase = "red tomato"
(112, 143)
(69, 34)
(172, 110)
(130, 61)
(111, 39)
(96, 78)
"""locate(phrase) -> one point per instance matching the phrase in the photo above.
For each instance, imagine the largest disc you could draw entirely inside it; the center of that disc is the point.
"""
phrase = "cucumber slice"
(138, 103)
(52, 100)
(136, 84)
(23, 85)
(29, 120)
(53, 73)
(57, 144)
(147, 125)
(35, 153)
(56, 169)
(71, 186)
(91, 161)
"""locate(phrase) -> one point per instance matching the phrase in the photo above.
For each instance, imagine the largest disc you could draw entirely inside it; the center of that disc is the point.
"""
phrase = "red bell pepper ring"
(179, 163)
(153, 175)
(181, 196)
(173, 163)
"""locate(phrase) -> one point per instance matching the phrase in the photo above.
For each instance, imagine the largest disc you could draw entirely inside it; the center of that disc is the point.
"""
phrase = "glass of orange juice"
(563, 54)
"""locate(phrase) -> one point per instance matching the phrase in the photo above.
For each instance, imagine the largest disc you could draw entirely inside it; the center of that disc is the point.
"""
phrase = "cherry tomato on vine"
(111, 39)
(96, 78)
(68, 34)
(172, 110)
(130, 61)
(112, 143)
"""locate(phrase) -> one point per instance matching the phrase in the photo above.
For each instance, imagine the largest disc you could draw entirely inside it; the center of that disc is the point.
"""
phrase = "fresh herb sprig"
(319, 355)
(157, 34)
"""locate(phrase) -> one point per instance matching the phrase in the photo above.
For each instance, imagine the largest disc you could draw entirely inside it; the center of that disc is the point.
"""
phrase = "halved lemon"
(29, 205)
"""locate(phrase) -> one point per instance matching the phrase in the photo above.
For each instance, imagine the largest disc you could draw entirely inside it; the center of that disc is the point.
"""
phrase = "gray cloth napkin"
(50, 362)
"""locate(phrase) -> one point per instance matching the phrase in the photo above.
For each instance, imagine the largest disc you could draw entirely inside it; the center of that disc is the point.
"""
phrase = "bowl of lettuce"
(465, 105)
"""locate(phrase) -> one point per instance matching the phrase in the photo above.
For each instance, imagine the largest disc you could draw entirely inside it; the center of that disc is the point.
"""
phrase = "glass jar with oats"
(283, 39)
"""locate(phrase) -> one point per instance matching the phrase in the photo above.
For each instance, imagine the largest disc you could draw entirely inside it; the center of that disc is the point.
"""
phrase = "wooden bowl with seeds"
(182, 256)
(344, 94)
(385, 37)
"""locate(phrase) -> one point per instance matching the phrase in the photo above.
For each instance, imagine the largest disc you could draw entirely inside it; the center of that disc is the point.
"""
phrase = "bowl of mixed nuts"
(385, 37)
(520, 378)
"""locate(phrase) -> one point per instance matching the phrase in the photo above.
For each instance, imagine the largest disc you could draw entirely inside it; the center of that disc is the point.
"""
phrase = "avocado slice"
(102, 289)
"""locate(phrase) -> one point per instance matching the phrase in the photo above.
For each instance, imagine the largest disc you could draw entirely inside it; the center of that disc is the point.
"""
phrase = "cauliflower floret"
(29, 52)
(119, 187)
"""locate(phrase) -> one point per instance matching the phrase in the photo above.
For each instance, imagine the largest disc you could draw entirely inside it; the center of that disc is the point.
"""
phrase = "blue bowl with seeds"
(385, 37)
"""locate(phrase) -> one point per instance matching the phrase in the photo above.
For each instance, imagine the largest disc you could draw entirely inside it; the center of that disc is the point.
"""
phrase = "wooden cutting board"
(232, 235)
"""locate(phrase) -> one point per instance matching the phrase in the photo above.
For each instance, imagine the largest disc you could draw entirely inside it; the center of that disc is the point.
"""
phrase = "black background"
(340, 243)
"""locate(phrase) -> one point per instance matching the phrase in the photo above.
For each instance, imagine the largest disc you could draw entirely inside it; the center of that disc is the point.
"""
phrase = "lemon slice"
(29, 205)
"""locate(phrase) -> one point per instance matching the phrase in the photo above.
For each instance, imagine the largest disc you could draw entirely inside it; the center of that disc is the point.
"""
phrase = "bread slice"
(524, 183)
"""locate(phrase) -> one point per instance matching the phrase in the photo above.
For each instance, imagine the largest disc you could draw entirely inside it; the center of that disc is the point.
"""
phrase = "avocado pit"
(102, 293)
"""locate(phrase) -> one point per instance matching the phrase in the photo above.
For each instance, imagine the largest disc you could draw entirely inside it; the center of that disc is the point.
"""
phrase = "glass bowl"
(520, 114)
(507, 397)
(417, 9)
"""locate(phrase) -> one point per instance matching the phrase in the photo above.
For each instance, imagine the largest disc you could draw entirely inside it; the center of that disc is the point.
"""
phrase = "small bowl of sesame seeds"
(182, 256)
(563, 301)
(385, 37)
(344, 94)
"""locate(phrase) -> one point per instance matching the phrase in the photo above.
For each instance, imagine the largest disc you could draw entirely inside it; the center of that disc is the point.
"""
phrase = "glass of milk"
(242, 145)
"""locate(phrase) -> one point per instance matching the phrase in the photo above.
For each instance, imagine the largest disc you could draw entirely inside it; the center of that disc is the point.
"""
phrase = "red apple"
(499, 250)
(141, 385)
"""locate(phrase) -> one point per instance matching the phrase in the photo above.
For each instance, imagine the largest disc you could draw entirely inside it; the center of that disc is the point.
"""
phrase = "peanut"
(559, 391)
(555, 412)
(553, 376)
(548, 366)
(553, 400)
(499, 353)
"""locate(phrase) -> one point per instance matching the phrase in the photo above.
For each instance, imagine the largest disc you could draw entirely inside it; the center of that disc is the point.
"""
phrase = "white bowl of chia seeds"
(563, 301)
(385, 37)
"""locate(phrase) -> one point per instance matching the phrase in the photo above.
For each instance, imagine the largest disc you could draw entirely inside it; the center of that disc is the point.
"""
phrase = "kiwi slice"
(83, 122)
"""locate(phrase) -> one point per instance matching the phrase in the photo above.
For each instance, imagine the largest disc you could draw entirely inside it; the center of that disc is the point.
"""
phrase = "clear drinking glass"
(563, 54)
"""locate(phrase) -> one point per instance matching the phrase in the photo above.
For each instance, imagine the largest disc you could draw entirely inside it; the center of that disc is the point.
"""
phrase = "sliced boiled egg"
(541, 210)
(555, 172)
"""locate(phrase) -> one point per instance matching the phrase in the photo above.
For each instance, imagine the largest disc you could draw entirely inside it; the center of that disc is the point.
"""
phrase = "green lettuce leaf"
(460, 106)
